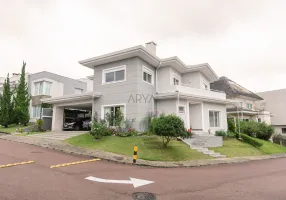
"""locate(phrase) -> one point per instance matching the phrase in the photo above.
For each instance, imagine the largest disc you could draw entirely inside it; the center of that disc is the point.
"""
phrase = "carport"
(82, 101)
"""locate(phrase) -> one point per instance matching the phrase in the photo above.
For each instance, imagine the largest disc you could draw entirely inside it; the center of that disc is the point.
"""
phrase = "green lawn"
(149, 148)
(12, 128)
(236, 148)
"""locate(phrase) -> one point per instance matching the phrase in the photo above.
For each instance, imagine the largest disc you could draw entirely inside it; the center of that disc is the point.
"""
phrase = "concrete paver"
(60, 135)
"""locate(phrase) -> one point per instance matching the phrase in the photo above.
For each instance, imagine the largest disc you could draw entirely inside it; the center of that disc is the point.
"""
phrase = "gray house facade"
(138, 83)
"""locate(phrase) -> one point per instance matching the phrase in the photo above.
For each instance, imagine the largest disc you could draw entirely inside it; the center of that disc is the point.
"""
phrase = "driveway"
(59, 135)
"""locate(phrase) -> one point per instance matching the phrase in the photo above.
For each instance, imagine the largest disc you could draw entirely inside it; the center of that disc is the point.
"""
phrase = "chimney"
(151, 46)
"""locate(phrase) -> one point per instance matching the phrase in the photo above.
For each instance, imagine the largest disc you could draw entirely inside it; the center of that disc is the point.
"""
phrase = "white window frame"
(248, 106)
(150, 72)
(113, 105)
(184, 112)
(206, 87)
(177, 77)
(44, 88)
(113, 69)
(218, 117)
(36, 107)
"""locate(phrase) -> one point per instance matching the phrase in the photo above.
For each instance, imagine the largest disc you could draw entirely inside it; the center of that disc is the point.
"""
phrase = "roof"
(232, 89)
(143, 53)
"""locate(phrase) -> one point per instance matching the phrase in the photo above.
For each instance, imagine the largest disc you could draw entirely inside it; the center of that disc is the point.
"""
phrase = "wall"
(244, 102)
(133, 92)
(278, 129)
(223, 116)
(89, 84)
(192, 79)
(164, 76)
(167, 106)
(274, 102)
(196, 117)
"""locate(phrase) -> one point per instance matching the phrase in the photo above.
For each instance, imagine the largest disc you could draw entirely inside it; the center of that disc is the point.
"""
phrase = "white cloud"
(243, 40)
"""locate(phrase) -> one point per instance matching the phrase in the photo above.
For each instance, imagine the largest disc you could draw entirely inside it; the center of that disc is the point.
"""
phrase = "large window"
(283, 130)
(148, 76)
(113, 75)
(214, 118)
(110, 113)
(181, 109)
(42, 88)
(36, 110)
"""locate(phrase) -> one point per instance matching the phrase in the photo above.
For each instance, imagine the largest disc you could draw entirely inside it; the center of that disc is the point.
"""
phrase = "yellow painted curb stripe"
(73, 163)
(16, 164)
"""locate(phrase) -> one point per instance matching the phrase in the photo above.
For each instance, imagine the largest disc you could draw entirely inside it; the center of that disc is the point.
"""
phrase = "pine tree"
(5, 104)
(22, 100)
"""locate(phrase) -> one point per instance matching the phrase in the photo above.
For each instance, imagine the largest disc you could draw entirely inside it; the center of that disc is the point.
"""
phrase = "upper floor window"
(42, 88)
(176, 81)
(249, 105)
(214, 118)
(283, 130)
(113, 75)
(240, 104)
(78, 90)
(148, 76)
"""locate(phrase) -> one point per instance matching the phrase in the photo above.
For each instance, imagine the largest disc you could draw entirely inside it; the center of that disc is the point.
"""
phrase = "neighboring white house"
(138, 82)
(246, 109)
(14, 81)
(275, 102)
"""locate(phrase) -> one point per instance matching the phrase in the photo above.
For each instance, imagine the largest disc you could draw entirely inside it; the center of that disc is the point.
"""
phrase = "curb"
(117, 158)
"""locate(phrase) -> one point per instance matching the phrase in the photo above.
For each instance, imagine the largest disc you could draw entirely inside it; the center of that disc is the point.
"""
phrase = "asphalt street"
(254, 180)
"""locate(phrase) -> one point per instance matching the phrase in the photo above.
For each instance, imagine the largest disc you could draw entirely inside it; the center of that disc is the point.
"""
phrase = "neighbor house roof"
(143, 53)
(232, 89)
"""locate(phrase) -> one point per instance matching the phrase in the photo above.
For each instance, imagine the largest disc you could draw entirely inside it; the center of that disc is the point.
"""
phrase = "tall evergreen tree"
(5, 104)
(22, 100)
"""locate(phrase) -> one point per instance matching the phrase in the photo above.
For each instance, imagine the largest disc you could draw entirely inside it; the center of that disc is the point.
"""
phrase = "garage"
(71, 112)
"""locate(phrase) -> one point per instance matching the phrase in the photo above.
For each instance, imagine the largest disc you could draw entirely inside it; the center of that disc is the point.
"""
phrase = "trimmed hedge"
(251, 140)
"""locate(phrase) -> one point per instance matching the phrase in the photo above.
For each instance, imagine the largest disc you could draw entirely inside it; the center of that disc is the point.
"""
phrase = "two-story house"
(246, 108)
(274, 101)
(138, 82)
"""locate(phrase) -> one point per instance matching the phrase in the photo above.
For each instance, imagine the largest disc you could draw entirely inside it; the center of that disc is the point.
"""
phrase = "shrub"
(130, 132)
(249, 127)
(99, 129)
(231, 125)
(127, 124)
(168, 126)
(221, 133)
(279, 139)
(231, 134)
(40, 124)
(251, 140)
(264, 131)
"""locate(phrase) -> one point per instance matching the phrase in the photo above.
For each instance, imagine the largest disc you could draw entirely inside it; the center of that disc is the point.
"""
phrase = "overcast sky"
(243, 40)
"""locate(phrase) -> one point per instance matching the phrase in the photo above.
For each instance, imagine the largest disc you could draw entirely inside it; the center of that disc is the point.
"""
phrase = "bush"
(221, 133)
(100, 129)
(251, 140)
(257, 129)
(231, 125)
(40, 124)
(168, 126)
(264, 131)
(279, 139)
(130, 132)
(231, 134)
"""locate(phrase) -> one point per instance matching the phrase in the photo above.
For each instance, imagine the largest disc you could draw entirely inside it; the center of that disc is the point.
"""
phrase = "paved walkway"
(61, 135)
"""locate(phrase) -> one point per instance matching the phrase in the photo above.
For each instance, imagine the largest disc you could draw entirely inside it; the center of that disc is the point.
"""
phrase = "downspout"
(156, 87)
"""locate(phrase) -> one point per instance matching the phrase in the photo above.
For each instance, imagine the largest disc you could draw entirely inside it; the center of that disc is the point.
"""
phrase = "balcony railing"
(196, 91)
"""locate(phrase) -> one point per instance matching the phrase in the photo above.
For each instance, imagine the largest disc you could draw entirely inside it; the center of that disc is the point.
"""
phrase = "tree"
(168, 126)
(22, 100)
(5, 104)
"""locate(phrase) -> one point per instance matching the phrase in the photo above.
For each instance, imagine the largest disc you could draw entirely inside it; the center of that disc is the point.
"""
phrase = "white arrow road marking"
(136, 182)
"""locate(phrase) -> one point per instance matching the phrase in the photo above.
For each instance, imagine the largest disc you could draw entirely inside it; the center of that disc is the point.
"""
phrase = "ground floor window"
(214, 118)
(112, 114)
(36, 110)
(283, 130)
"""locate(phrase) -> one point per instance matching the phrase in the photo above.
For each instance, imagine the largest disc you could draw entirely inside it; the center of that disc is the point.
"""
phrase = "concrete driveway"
(59, 135)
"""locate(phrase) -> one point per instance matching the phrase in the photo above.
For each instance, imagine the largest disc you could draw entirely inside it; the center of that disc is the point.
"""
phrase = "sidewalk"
(67, 148)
